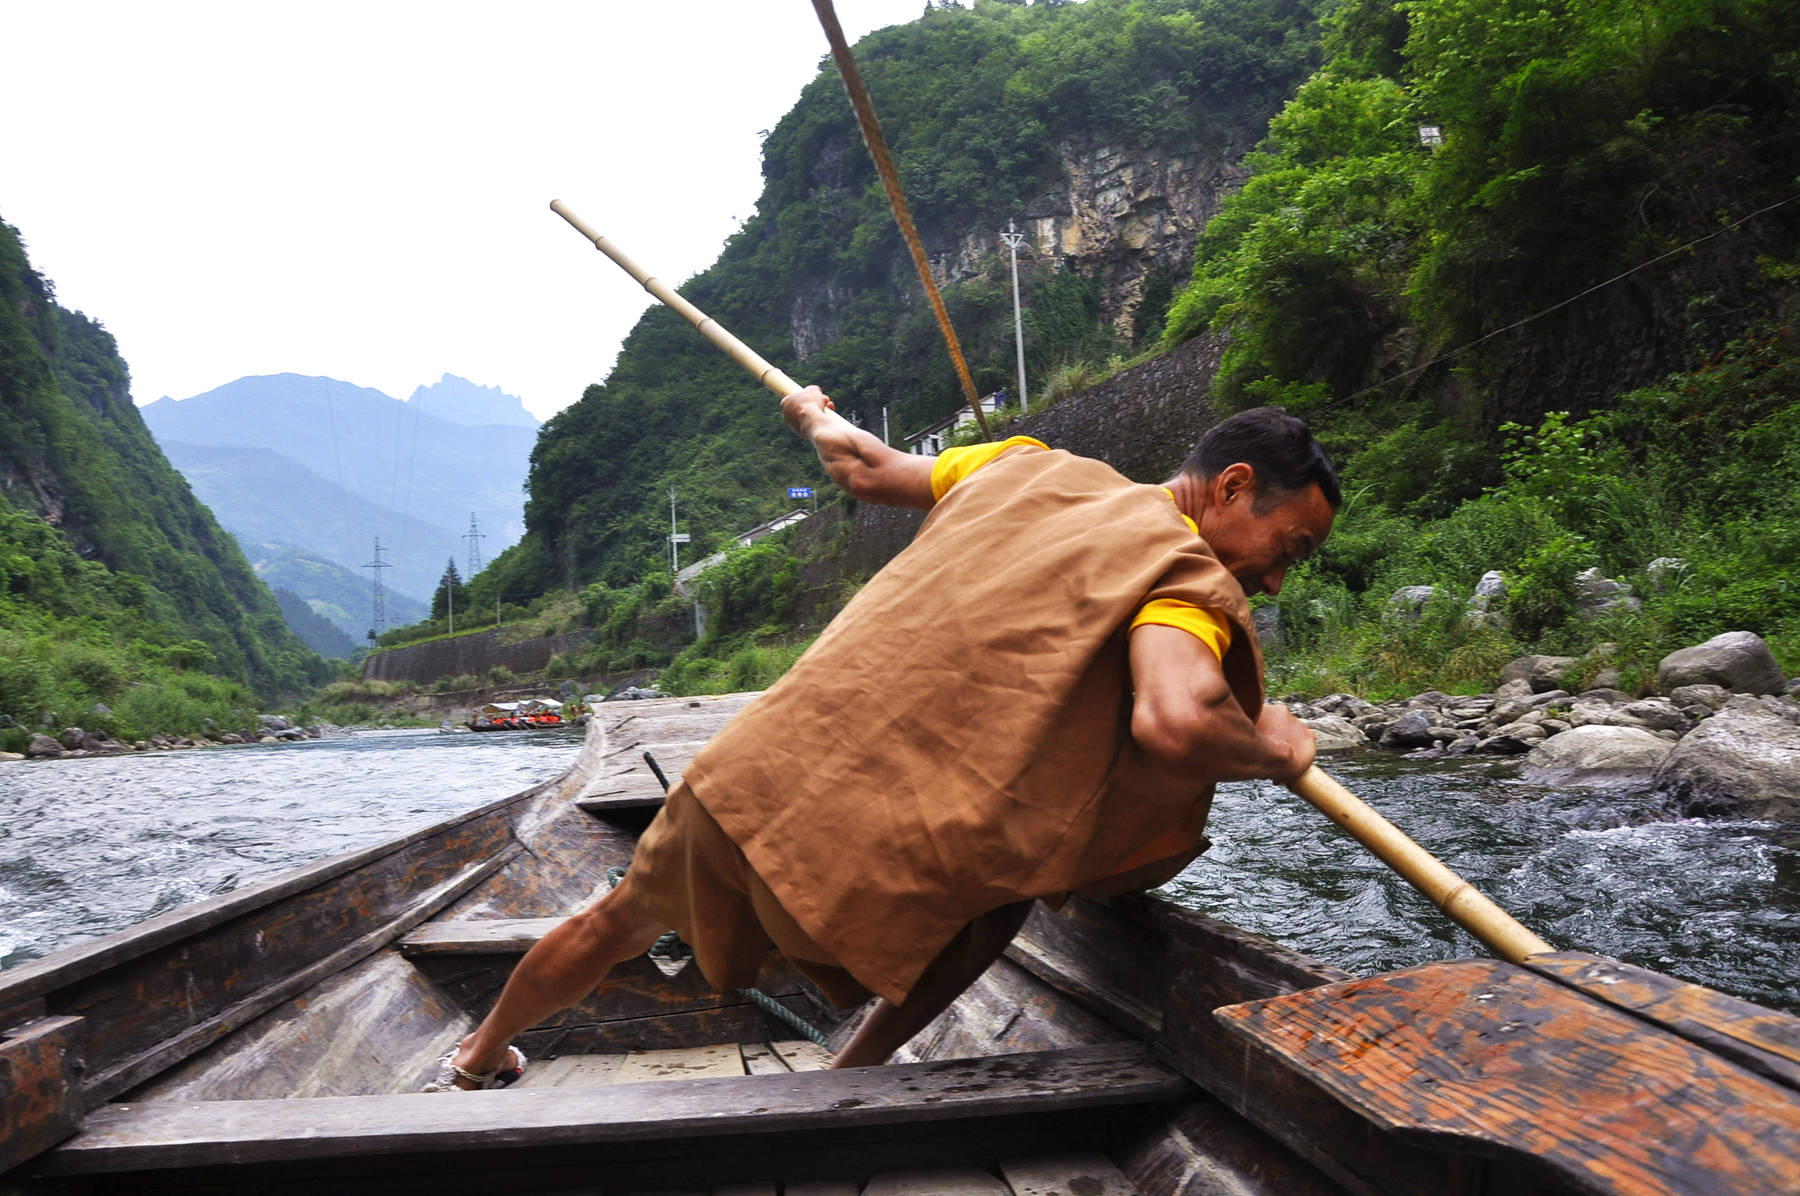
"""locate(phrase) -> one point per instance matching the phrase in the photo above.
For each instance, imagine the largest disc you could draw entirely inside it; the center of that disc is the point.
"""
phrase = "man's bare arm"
(858, 462)
(1185, 718)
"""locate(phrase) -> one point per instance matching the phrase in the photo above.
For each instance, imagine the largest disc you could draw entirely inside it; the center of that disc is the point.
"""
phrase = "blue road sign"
(799, 491)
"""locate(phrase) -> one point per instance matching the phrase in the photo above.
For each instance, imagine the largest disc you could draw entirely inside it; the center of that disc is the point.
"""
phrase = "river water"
(92, 846)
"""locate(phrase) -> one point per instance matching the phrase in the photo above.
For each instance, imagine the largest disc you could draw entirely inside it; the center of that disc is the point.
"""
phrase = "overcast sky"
(360, 190)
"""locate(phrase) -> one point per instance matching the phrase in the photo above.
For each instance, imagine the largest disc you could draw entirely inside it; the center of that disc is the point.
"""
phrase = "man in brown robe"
(1035, 699)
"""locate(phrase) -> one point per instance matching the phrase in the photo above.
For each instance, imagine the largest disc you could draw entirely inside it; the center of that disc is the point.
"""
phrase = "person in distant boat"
(1033, 700)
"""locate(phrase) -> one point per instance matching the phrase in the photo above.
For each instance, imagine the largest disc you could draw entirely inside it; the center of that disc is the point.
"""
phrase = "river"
(92, 846)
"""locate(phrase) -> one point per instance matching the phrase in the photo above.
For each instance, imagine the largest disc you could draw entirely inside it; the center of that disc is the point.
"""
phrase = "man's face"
(1259, 548)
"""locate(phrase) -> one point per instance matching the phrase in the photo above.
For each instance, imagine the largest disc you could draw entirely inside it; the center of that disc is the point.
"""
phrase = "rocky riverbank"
(74, 743)
(1721, 736)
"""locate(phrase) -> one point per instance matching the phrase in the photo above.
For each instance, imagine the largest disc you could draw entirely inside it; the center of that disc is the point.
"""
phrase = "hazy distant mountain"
(325, 467)
(397, 455)
(315, 630)
(462, 402)
(342, 596)
(263, 496)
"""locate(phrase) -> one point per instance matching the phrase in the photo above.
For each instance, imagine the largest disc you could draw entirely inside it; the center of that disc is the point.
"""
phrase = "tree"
(450, 586)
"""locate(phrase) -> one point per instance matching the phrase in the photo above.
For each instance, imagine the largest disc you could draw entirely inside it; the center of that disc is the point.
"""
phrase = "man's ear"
(1236, 483)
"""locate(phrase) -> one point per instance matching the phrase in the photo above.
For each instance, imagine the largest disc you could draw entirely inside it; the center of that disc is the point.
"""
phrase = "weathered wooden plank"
(572, 1071)
(764, 1188)
(40, 1086)
(273, 988)
(1485, 1056)
(478, 936)
(1764, 1040)
(152, 1136)
(689, 1063)
(1078, 1173)
(1008, 1010)
(802, 1055)
(760, 1059)
(1204, 1148)
(643, 797)
(820, 1187)
(942, 1181)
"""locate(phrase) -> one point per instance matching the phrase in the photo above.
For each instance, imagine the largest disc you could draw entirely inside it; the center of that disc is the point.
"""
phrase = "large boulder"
(1335, 733)
(1738, 660)
(1543, 673)
(1597, 755)
(42, 747)
(1744, 761)
(1411, 730)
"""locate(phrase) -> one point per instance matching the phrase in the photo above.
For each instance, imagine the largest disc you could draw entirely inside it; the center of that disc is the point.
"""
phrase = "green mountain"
(339, 595)
(1108, 129)
(108, 565)
(317, 631)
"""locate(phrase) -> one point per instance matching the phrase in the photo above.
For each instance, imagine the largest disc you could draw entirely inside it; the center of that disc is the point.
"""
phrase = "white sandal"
(448, 1073)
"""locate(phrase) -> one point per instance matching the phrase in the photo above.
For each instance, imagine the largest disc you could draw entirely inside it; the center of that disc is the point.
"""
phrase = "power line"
(1599, 286)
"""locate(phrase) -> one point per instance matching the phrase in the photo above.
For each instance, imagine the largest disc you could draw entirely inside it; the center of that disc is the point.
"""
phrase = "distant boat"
(528, 714)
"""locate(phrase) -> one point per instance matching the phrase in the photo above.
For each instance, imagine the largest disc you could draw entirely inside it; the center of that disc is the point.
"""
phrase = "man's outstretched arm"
(1185, 718)
(858, 462)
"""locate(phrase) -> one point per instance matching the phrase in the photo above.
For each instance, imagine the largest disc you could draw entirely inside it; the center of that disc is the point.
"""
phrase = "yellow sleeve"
(1203, 624)
(953, 465)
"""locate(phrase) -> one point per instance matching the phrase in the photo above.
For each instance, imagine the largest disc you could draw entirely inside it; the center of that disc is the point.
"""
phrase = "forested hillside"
(1559, 340)
(1531, 269)
(985, 109)
(116, 586)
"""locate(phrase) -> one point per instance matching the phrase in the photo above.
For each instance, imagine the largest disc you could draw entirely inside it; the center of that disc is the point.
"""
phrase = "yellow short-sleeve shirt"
(953, 465)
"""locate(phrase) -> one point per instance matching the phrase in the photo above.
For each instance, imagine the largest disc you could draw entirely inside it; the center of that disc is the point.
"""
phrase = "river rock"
(1655, 714)
(1335, 733)
(1596, 755)
(274, 722)
(1744, 761)
(1489, 591)
(1738, 660)
(1665, 573)
(71, 738)
(1543, 673)
(1708, 697)
(42, 747)
(1410, 730)
(8, 757)
(1514, 739)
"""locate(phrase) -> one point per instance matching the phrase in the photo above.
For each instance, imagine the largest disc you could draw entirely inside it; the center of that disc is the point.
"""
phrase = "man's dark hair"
(1278, 446)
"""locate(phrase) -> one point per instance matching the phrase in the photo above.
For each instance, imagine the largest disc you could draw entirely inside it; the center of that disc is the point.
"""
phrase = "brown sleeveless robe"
(959, 737)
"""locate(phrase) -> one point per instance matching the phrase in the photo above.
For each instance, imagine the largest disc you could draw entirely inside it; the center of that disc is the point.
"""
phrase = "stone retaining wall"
(474, 653)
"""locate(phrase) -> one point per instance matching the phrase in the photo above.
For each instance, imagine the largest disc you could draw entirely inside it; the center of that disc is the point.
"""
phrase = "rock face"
(1597, 755)
(1738, 660)
(1124, 212)
(1744, 761)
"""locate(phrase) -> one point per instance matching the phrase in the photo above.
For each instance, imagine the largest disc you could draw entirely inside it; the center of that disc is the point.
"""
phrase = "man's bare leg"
(565, 966)
(958, 965)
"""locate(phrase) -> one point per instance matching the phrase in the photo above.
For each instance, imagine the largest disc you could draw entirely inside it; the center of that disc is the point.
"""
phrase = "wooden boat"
(531, 714)
(274, 1039)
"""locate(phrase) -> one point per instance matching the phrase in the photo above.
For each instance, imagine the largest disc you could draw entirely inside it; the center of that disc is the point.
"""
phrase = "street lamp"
(1012, 236)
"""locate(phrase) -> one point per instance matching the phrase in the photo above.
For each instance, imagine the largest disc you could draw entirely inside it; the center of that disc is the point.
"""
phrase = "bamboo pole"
(730, 345)
(890, 182)
(1459, 900)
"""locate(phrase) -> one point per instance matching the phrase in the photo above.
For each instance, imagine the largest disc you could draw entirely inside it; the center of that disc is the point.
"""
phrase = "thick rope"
(890, 179)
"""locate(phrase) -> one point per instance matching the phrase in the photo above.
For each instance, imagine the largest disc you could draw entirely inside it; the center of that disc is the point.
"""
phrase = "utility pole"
(474, 537)
(450, 601)
(674, 545)
(884, 425)
(1012, 236)
(378, 623)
